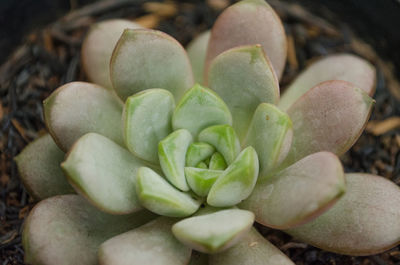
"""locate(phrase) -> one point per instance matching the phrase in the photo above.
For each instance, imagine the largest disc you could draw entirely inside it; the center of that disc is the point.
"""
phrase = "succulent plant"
(162, 165)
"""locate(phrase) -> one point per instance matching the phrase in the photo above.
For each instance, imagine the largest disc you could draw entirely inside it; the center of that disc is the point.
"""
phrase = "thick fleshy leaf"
(237, 181)
(202, 165)
(77, 108)
(156, 59)
(197, 50)
(200, 180)
(152, 243)
(40, 171)
(365, 221)
(346, 67)
(98, 46)
(329, 117)
(147, 120)
(299, 193)
(160, 197)
(224, 139)
(243, 77)
(217, 162)
(103, 172)
(66, 230)
(214, 232)
(249, 22)
(270, 133)
(198, 109)
(198, 152)
(252, 249)
(172, 153)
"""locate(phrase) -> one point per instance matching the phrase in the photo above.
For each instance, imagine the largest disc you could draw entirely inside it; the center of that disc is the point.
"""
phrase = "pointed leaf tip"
(198, 109)
(103, 172)
(329, 117)
(214, 232)
(305, 190)
(243, 77)
(345, 67)
(98, 46)
(249, 22)
(160, 197)
(172, 154)
(159, 62)
(365, 221)
(237, 181)
(147, 120)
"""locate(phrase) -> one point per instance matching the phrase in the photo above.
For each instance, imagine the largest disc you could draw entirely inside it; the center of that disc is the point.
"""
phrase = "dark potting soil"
(50, 57)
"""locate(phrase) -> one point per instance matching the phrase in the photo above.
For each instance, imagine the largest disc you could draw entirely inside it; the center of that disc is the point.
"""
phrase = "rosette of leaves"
(163, 166)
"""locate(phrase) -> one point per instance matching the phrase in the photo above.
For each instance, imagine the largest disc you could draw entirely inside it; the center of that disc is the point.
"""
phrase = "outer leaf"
(103, 172)
(249, 22)
(365, 221)
(197, 50)
(78, 108)
(253, 249)
(200, 180)
(160, 197)
(66, 230)
(98, 46)
(270, 133)
(329, 117)
(344, 67)
(243, 77)
(172, 153)
(152, 243)
(214, 232)
(237, 182)
(299, 193)
(200, 108)
(147, 120)
(39, 167)
(155, 58)
(224, 139)
(198, 152)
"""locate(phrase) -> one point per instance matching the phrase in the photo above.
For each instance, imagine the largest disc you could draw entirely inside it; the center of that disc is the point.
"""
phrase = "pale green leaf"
(98, 46)
(66, 230)
(270, 133)
(243, 77)
(252, 249)
(152, 244)
(197, 50)
(147, 120)
(144, 59)
(160, 197)
(103, 172)
(200, 180)
(77, 108)
(197, 152)
(198, 109)
(217, 162)
(224, 139)
(214, 232)
(237, 181)
(172, 153)
(40, 171)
